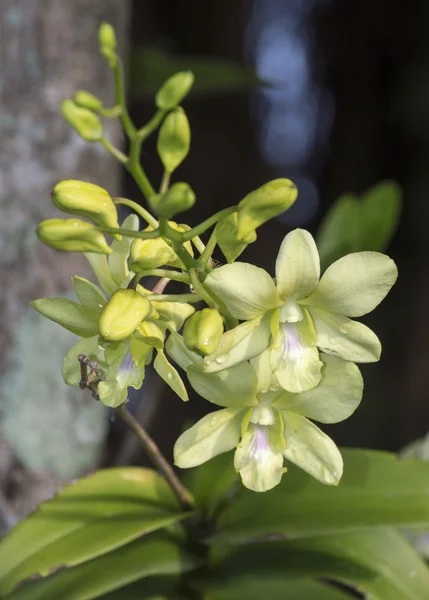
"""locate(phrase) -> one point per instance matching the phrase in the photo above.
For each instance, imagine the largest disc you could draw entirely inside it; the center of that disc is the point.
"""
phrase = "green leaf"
(355, 224)
(211, 483)
(87, 519)
(377, 489)
(68, 314)
(170, 375)
(144, 557)
(90, 296)
(150, 588)
(151, 67)
(273, 587)
(380, 562)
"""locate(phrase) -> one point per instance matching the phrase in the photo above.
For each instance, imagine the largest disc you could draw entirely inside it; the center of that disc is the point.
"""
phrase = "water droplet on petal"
(170, 375)
(221, 359)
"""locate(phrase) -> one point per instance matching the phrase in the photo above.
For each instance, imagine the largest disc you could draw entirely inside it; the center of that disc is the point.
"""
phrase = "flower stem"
(202, 227)
(142, 212)
(142, 235)
(182, 298)
(166, 273)
(157, 458)
(199, 288)
(208, 250)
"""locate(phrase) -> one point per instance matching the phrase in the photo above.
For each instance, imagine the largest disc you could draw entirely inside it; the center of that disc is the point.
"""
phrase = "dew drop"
(213, 421)
(170, 375)
(221, 359)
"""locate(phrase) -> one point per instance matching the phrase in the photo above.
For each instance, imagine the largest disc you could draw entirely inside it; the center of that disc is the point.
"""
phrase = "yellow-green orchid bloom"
(297, 314)
(266, 427)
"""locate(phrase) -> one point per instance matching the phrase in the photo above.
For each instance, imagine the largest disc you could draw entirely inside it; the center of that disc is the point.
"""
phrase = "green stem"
(127, 123)
(150, 127)
(168, 273)
(142, 235)
(208, 251)
(165, 182)
(120, 156)
(110, 113)
(199, 244)
(199, 288)
(202, 227)
(142, 212)
(157, 458)
(182, 298)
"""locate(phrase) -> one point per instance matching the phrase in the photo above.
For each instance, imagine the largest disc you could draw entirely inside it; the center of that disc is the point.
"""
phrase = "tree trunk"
(49, 49)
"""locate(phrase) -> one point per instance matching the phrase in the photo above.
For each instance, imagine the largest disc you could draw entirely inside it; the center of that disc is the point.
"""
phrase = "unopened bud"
(174, 90)
(179, 198)
(72, 235)
(107, 36)
(265, 203)
(83, 121)
(122, 315)
(226, 237)
(174, 139)
(86, 200)
(202, 331)
(87, 100)
(150, 254)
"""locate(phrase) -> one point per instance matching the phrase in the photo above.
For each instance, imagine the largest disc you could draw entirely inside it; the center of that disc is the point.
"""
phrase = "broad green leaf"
(144, 557)
(149, 588)
(377, 489)
(151, 67)
(68, 314)
(212, 482)
(380, 562)
(273, 587)
(360, 223)
(87, 519)
(90, 296)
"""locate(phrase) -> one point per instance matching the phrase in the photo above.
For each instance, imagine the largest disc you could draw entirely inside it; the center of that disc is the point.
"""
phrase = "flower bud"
(72, 235)
(122, 315)
(107, 36)
(226, 237)
(87, 100)
(268, 201)
(150, 254)
(202, 331)
(174, 90)
(174, 139)
(86, 200)
(83, 121)
(179, 198)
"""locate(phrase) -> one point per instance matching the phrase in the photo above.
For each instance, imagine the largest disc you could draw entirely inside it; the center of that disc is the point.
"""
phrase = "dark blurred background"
(331, 94)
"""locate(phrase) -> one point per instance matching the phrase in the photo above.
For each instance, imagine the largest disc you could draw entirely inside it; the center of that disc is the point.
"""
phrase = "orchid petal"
(245, 290)
(297, 265)
(214, 434)
(355, 284)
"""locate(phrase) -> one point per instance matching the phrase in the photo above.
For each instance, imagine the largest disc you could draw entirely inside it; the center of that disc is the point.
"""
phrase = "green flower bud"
(226, 237)
(179, 198)
(174, 139)
(122, 315)
(268, 201)
(83, 121)
(86, 200)
(202, 331)
(150, 254)
(174, 90)
(72, 235)
(87, 100)
(107, 36)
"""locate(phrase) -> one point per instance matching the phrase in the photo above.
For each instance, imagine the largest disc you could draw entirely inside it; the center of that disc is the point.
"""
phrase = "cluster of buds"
(275, 354)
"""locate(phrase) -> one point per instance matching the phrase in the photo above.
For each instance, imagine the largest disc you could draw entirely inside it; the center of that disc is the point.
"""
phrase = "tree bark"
(48, 50)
